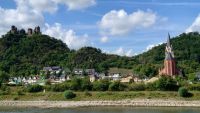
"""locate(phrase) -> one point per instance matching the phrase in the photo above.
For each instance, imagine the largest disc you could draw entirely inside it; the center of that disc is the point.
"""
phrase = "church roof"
(168, 56)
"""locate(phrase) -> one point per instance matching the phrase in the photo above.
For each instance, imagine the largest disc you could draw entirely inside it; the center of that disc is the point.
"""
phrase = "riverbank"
(99, 96)
(70, 104)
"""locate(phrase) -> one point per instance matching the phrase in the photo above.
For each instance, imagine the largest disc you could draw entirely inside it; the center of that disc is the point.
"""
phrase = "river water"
(102, 110)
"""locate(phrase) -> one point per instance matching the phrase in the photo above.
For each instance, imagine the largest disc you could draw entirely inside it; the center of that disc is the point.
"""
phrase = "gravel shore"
(65, 104)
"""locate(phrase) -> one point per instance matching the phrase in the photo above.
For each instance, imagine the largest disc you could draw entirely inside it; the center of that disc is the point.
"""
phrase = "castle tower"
(13, 29)
(37, 30)
(170, 68)
(30, 31)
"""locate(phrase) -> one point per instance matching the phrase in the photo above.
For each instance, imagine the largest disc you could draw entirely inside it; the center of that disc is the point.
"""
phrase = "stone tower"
(37, 30)
(30, 31)
(170, 68)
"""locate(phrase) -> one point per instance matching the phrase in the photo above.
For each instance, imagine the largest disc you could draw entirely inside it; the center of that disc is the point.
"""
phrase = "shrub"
(69, 94)
(101, 85)
(35, 88)
(166, 83)
(183, 92)
(5, 90)
(137, 87)
(150, 86)
(58, 87)
(86, 84)
(75, 84)
(117, 86)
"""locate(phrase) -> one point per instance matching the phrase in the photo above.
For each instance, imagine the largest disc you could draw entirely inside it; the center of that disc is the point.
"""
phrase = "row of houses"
(57, 74)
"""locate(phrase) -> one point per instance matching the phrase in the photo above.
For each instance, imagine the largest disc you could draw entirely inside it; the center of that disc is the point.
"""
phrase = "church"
(170, 68)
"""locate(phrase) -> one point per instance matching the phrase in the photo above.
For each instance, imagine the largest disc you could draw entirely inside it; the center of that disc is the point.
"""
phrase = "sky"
(123, 27)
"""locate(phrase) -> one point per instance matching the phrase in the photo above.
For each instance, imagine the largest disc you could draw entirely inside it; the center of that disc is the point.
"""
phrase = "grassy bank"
(58, 96)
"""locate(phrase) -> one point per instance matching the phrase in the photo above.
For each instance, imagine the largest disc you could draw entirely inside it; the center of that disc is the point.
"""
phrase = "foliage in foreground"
(35, 88)
(183, 92)
(69, 94)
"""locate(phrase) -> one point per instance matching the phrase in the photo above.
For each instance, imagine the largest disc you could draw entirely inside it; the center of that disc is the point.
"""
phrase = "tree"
(3, 76)
(86, 84)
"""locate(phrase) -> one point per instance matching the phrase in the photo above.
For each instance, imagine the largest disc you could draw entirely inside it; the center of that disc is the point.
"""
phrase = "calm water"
(103, 110)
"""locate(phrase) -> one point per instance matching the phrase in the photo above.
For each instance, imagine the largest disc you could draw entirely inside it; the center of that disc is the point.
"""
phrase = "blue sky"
(124, 27)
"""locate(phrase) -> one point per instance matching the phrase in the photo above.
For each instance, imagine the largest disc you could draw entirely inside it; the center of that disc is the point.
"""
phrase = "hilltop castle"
(170, 68)
(22, 31)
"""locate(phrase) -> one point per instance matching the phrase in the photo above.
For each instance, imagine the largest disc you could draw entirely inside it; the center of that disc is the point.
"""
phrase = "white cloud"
(43, 5)
(149, 47)
(120, 51)
(51, 6)
(22, 17)
(67, 36)
(104, 39)
(195, 25)
(119, 22)
(77, 4)
(29, 13)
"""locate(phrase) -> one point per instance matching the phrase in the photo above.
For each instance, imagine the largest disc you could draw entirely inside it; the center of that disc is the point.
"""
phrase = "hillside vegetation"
(22, 55)
(186, 50)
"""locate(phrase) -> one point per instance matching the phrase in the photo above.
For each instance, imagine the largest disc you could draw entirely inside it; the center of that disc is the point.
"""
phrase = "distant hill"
(23, 55)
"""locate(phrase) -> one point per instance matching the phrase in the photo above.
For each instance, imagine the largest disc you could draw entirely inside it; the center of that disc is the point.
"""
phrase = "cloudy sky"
(124, 27)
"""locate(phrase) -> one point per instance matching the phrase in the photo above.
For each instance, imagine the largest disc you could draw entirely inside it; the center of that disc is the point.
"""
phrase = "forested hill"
(187, 53)
(23, 55)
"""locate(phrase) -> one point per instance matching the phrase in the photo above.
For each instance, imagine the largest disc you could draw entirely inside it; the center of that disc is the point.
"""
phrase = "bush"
(86, 84)
(101, 85)
(69, 94)
(5, 90)
(183, 92)
(75, 84)
(117, 86)
(150, 86)
(166, 83)
(136, 87)
(58, 87)
(35, 88)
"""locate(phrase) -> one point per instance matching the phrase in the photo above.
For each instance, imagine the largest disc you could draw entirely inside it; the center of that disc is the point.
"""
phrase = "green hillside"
(187, 53)
(25, 55)
(22, 55)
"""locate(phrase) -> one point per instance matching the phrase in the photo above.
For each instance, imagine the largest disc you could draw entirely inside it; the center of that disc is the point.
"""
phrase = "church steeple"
(168, 41)
(169, 62)
(168, 49)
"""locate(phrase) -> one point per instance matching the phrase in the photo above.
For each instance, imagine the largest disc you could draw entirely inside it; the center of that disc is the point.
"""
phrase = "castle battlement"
(29, 32)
